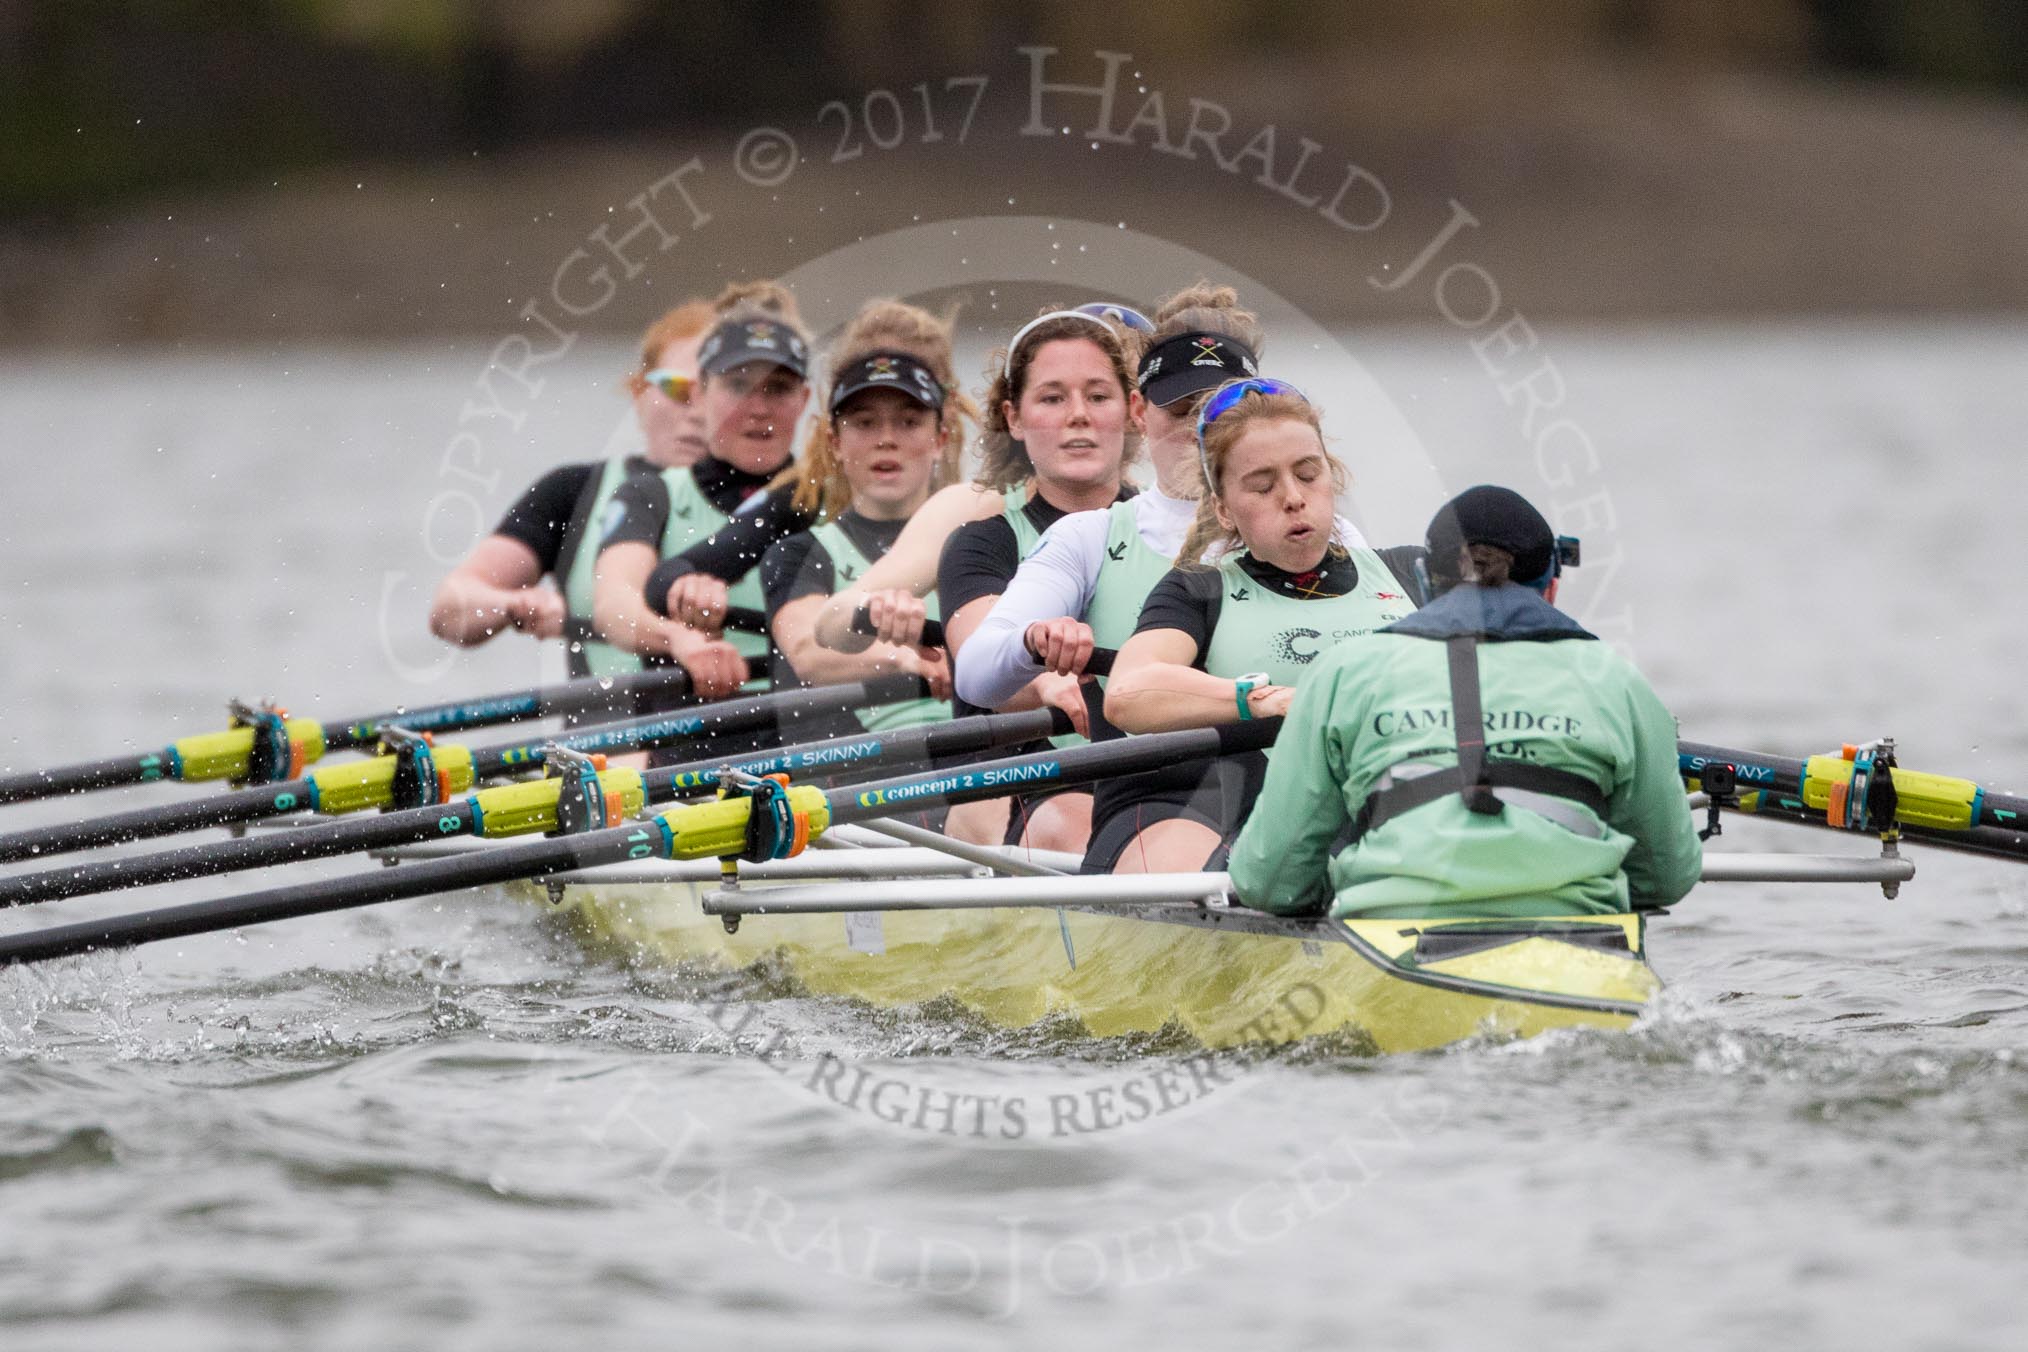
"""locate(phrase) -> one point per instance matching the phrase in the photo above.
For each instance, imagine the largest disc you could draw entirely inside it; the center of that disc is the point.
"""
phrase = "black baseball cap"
(1502, 518)
(739, 341)
(1191, 363)
(889, 371)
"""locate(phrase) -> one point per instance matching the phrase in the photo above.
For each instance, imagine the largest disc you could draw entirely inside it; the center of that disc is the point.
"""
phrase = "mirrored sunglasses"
(674, 384)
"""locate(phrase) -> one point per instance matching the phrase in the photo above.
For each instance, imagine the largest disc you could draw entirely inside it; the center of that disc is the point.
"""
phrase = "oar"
(580, 629)
(1992, 842)
(269, 740)
(1861, 789)
(862, 625)
(430, 775)
(518, 809)
(769, 825)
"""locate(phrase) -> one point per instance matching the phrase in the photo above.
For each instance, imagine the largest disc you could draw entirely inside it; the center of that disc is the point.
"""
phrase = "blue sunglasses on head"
(1121, 314)
(1226, 398)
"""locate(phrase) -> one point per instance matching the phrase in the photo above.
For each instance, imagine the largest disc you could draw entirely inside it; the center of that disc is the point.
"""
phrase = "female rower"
(1082, 585)
(693, 587)
(1563, 799)
(893, 435)
(1060, 425)
(545, 533)
(892, 589)
(1228, 642)
(752, 386)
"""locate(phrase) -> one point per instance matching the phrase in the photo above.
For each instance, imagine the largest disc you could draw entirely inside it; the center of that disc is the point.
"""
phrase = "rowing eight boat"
(1222, 974)
(906, 926)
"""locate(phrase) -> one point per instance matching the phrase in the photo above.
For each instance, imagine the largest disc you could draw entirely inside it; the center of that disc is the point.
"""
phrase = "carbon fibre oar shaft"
(1993, 842)
(468, 815)
(699, 831)
(224, 755)
(365, 784)
(1934, 802)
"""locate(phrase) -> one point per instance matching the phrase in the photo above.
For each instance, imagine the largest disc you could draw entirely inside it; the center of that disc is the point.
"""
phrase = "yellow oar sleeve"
(717, 830)
(223, 755)
(530, 807)
(359, 785)
(1923, 799)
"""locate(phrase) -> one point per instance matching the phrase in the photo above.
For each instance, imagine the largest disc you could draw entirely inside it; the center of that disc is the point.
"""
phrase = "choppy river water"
(442, 1124)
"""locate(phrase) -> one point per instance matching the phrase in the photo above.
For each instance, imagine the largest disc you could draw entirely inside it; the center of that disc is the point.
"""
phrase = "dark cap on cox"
(889, 371)
(1500, 517)
(1191, 363)
(739, 341)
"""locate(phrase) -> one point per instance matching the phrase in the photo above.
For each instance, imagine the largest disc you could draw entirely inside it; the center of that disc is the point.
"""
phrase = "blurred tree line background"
(225, 91)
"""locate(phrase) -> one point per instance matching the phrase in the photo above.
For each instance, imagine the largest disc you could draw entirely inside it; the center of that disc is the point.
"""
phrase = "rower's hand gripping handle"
(862, 625)
(1101, 663)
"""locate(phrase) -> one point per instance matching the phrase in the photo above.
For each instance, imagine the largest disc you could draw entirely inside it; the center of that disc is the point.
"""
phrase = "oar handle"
(1099, 664)
(862, 624)
(744, 619)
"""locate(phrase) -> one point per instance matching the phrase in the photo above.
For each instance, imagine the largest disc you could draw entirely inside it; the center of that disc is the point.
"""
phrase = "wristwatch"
(1244, 687)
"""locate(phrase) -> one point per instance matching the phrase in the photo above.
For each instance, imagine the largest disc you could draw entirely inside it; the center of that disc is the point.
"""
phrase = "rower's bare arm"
(621, 616)
(497, 587)
(620, 610)
(1154, 688)
(909, 566)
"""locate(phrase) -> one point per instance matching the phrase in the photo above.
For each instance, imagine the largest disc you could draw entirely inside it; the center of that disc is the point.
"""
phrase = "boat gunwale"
(1319, 929)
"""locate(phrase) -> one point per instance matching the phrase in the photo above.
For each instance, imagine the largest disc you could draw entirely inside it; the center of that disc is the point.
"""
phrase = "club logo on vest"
(1117, 552)
(609, 519)
(1242, 594)
(847, 572)
(1297, 645)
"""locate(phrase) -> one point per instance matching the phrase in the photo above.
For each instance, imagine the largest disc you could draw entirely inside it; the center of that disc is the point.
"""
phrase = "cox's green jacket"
(1551, 694)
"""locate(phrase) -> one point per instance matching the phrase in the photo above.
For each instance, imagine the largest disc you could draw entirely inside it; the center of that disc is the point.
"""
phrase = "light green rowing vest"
(849, 563)
(1012, 503)
(1261, 629)
(575, 573)
(1127, 573)
(691, 518)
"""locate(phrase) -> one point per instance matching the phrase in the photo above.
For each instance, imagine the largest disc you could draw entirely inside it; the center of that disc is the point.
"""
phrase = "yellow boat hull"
(1226, 978)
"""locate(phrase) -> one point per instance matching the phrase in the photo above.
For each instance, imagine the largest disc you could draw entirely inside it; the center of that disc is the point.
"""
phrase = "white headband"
(1030, 326)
